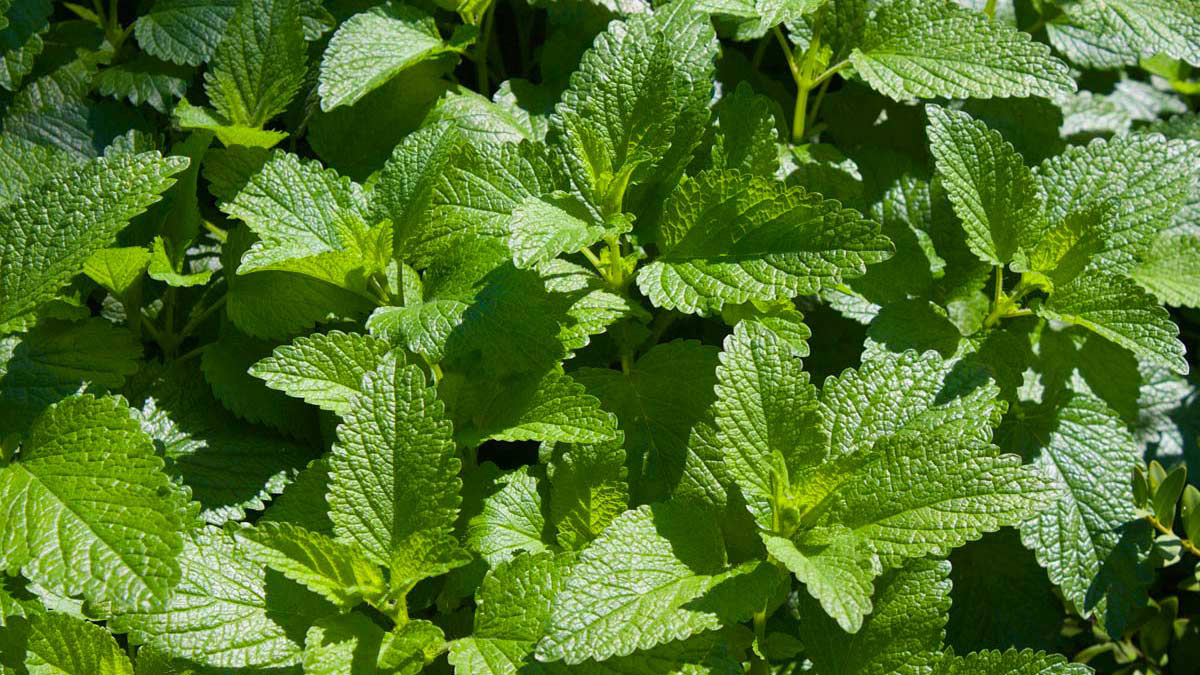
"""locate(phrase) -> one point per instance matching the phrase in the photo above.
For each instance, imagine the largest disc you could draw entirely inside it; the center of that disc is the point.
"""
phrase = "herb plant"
(500, 336)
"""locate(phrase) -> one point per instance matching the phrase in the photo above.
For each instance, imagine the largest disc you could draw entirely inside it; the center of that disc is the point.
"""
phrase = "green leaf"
(542, 229)
(1144, 176)
(50, 232)
(728, 237)
(162, 269)
(325, 370)
(337, 571)
(371, 48)
(1167, 495)
(225, 364)
(118, 553)
(1066, 249)
(635, 109)
(1011, 662)
(226, 612)
(513, 517)
(347, 643)
(909, 392)
(299, 210)
(260, 62)
(588, 490)
(1170, 270)
(63, 645)
(665, 394)
(753, 18)
(552, 408)
(656, 575)
(836, 568)
(779, 317)
(410, 647)
(184, 31)
(766, 415)
(1106, 34)
(117, 269)
(935, 48)
(1079, 444)
(424, 554)
(992, 190)
(1117, 309)
(229, 133)
(21, 41)
(902, 635)
(145, 79)
(393, 470)
(24, 164)
(746, 134)
(56, 359)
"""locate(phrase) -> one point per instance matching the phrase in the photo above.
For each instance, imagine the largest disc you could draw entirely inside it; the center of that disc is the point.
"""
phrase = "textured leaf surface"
(260, 62)
(728, 237)
(588, 490)
(902, 635)
(325, 370)
(1010, 662)
(47, 234)
(184, 31)
(226, 612)
(513, 517)
(1086, 450)
(835, 568)
(89, 509)
(1170, 270)
(992, 190)
(1119, 310)
(1112, 33)
(934, 48)
(542, 230)
(371, 48)
(657, 574)
(338, 572)
(63, 645)
(393, 471)
(145, 80)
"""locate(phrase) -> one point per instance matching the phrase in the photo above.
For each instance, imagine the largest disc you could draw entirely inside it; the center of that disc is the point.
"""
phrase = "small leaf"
(1167, 495)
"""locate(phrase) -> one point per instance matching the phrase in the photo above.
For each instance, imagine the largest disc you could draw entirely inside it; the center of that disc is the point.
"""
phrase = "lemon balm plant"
(615, 338)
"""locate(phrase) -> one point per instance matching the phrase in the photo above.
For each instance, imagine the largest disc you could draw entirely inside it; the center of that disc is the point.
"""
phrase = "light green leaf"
(118, 553)
(260, 62)
(766, 415)
(993, 192)
(909, 392)
(836, 568)
(184, 31)
(370, 48)
(117, 269)
(325, 370)
(588, 490)
(1086, 450)
(1146, 177)
(729, 237)
(1066, 249)
(230, 134)
(63, 645)
(756, 17)
(337, 571)
(410, 647)
(393, 470)
(342, 644)
(1171, 270)
(903, 634)
(934, 48)
(226, 611)
(1117, 309)
(513, 517)
(49, 233)
(424, 554)
(778, 316)
(145, 79)
(162, 269)
(21, 41)
(56, 359)
(656, 575)
(665, 394)
(1010, 662)
(746, 134)
(1106, 34)
(636, 108)
(542, 229)
(553, 408)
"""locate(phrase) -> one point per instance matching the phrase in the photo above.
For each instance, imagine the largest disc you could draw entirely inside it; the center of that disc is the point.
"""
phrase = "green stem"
(759, 665)
(481, 68)
(595, 260)
(990, 10)
(193, 353)
(830, 72)
(615, 263)
(1188, 544)
(197, 319)
(759, 52)
(816, 106)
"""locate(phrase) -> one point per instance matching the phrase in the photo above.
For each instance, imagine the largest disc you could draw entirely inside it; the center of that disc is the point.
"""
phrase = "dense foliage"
(500, 336)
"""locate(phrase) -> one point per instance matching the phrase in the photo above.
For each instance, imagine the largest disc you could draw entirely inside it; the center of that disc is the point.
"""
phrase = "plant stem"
(197, 319)
(759, 52)
(816, 106)
(1188, 544)
(758, 664)
(990, 10)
